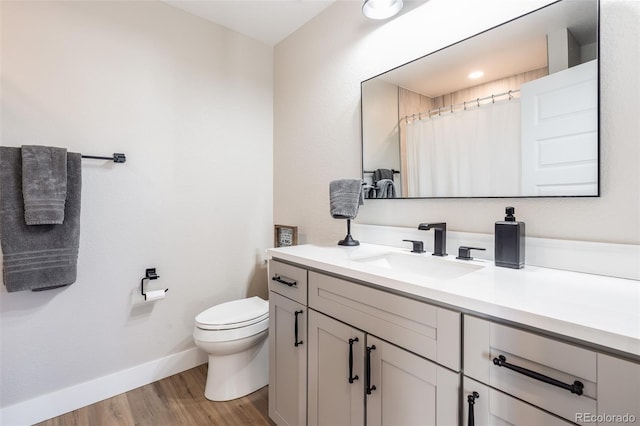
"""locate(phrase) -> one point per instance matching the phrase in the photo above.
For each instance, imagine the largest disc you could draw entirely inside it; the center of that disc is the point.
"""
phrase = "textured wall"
(190, 103)
(318, 71)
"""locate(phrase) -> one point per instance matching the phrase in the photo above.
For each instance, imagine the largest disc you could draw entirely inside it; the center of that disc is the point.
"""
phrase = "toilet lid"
(234, 314)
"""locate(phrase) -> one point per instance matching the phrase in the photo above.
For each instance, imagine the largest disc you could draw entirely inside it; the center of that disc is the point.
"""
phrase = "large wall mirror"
(510, 112)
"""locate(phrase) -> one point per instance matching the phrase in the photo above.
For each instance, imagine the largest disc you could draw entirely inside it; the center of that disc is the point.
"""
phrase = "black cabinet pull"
(296, 343)
(352, 378)
(370, 388)
(471, 399)
(576, 387)
(281, 280)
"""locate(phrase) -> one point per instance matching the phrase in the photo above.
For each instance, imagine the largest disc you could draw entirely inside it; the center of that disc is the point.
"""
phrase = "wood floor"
(175, 401)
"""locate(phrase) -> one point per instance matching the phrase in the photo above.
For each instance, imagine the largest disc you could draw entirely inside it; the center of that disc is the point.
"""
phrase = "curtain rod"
(116, 158)
(476, 102)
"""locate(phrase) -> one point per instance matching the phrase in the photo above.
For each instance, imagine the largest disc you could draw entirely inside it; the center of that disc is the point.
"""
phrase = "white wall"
(317, 136)
(190, 104)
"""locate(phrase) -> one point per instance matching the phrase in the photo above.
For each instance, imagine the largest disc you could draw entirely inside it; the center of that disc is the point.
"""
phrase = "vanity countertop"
(592, 309)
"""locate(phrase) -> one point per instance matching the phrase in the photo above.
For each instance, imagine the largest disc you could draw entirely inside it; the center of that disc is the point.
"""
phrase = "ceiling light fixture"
(381, 9)
(476, 74)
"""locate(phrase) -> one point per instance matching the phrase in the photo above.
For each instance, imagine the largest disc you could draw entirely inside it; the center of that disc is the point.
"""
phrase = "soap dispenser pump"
(509, 241)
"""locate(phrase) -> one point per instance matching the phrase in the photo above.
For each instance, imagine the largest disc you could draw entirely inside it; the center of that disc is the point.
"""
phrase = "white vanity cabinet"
(361, 344)
(519, 375)
(287, 344)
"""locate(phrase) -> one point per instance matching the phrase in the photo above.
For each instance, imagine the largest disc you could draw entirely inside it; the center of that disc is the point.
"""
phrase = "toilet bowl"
(235, 336)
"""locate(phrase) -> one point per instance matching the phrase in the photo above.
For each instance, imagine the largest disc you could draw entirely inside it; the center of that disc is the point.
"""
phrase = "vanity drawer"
(419, 327)
(492, 407)
(486, 342)
(287, 280)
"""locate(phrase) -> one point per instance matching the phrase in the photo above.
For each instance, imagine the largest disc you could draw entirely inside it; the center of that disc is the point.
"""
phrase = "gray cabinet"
(618, 391)
(287, 345)
(490, 407)
(518, 373)
(406, 389)
(346, 353)
(336, 372)
(350, 370)
(406, 357)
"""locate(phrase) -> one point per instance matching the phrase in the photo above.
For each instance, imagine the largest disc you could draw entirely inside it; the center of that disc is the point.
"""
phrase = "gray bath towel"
(345, 197)
(37, 257)
(385, 188)
(380, 174)
(44, 184)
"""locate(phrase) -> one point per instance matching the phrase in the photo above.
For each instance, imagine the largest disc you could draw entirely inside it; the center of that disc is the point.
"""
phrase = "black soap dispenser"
(509, 241)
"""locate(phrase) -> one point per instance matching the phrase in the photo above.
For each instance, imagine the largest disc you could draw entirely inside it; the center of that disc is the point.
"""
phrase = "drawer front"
(429, 331)
(289, 281)
(491, 407)
(486, 342)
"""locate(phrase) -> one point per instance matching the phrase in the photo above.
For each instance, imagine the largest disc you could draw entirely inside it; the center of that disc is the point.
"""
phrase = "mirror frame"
(598, 142)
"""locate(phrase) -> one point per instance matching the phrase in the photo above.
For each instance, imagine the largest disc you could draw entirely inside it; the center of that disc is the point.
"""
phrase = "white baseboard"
(613, 260)
(68, 399)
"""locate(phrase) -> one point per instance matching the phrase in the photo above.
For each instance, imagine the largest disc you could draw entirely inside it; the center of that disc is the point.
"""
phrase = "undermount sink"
(420, 264)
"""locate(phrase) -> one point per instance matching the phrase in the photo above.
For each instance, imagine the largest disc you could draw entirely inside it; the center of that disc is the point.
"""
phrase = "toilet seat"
(234, 314)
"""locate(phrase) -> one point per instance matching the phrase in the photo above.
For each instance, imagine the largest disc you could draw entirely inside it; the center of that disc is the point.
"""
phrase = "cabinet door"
(336, 372)
(618, 392)
(287, 361)
(490, 407)
(406, 389)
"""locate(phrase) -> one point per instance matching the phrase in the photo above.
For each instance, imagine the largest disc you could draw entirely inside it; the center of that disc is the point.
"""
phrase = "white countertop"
(594, 309)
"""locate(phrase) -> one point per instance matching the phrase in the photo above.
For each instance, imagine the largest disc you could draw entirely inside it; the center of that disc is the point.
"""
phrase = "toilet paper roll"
(155, 295)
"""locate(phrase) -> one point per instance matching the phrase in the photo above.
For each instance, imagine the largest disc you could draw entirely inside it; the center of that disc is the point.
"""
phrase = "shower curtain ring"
(478, 102)
(493, 100)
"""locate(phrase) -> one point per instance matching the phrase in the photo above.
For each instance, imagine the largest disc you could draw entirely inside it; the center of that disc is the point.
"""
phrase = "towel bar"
(117, 157)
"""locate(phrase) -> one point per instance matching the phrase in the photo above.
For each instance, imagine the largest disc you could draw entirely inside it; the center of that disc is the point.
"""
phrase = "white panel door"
(336, 391)
(560, 132)
(405, 389)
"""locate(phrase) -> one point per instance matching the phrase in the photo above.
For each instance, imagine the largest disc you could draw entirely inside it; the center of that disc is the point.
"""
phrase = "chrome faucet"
(440, 237)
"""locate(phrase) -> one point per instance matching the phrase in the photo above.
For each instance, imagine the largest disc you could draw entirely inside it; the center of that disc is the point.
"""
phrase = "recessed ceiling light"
(381, 9)
(476, 74)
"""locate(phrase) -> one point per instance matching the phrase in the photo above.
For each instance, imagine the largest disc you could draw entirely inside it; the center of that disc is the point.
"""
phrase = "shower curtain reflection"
(465, 153)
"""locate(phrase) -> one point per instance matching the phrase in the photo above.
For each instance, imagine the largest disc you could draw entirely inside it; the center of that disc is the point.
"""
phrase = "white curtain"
(472, 153)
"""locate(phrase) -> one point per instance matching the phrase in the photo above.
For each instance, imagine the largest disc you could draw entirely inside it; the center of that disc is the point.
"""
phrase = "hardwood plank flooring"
(174, 401)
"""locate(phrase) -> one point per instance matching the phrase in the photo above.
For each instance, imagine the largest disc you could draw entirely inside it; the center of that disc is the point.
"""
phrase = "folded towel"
(37, 257)
(345, 197)
(369, 191)
(44, 184)
(380, 174)
(385, 188)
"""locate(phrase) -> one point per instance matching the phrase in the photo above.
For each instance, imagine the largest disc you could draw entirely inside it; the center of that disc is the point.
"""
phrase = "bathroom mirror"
(524, 125)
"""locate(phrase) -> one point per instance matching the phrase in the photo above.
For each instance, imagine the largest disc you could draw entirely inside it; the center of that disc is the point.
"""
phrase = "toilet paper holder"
(150, 274)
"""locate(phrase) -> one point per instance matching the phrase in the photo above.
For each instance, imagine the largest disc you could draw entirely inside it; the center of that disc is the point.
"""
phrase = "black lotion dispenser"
(509, 241)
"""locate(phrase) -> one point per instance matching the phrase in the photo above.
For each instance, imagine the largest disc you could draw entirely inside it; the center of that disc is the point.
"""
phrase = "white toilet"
(235, 335)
